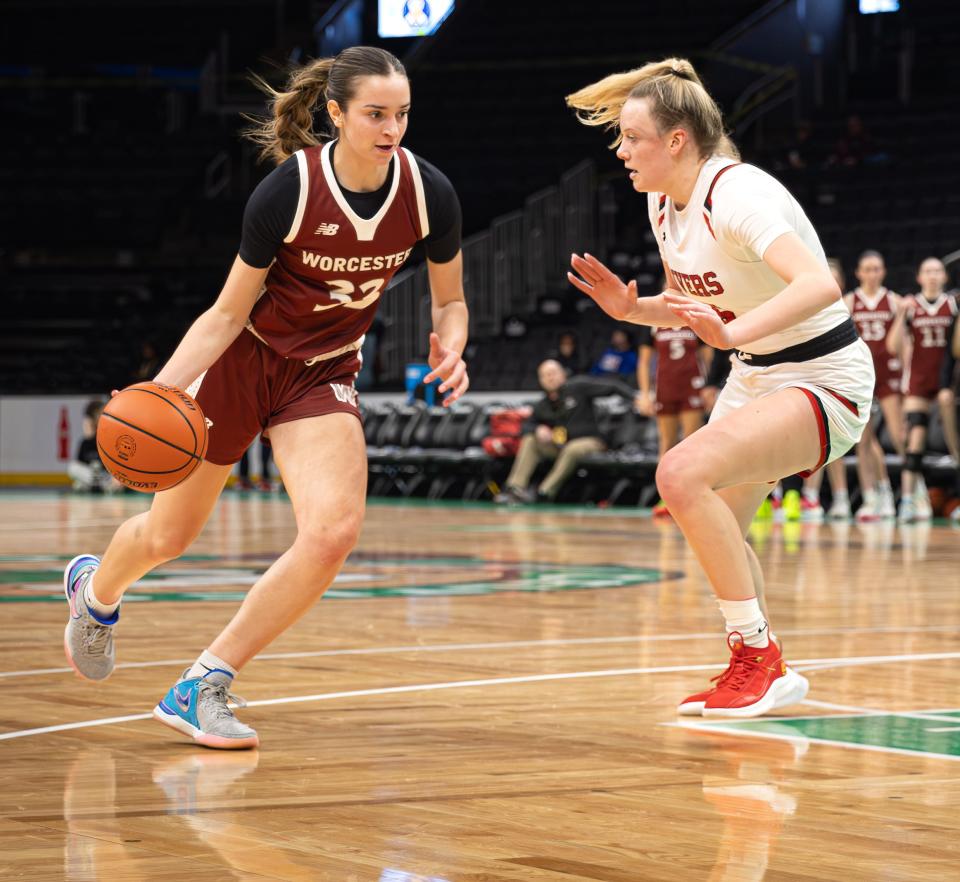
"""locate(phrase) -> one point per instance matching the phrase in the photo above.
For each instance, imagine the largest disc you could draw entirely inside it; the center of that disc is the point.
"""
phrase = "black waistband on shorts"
(836, 338)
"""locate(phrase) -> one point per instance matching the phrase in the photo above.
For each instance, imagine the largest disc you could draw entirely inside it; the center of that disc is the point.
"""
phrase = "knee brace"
(913, 462)
(917, 418)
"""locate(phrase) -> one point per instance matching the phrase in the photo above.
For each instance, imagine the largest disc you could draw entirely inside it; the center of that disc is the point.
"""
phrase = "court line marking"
(803, 739)
(384, 690)
(520, 644)
(458, 684)
(876, 712)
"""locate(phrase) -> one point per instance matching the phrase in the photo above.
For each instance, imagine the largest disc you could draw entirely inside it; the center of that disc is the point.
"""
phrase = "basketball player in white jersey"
(323, 234)
(746, 272)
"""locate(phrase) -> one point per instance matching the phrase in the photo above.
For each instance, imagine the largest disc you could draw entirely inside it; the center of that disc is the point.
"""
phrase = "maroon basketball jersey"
(873, 317)
(321, 292)
(677, 361)
(929, 330)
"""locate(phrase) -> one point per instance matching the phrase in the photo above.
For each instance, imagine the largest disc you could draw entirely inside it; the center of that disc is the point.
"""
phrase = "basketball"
(151, 437)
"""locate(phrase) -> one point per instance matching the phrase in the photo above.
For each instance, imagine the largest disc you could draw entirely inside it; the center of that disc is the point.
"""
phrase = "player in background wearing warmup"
(746, 271)
(924, 320)
(874, 308)
(675, 400)
(278, 351)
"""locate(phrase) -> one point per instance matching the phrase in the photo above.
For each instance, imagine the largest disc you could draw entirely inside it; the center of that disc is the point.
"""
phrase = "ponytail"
(677, 96)
(289, 127)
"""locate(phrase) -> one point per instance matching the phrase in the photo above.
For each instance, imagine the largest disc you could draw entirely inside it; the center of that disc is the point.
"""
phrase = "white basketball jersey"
(714, 246)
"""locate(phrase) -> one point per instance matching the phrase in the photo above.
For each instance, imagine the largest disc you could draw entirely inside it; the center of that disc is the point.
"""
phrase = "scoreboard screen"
(411, 18)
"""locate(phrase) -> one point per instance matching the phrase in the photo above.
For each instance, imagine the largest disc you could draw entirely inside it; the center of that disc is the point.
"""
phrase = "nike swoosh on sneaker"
(184, 703)
(72, 599)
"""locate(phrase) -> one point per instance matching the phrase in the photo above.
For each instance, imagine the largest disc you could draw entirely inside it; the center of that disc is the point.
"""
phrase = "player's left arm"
(810, 288)
(450, 328)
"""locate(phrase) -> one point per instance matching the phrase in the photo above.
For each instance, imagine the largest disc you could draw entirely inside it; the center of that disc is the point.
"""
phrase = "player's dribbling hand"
(703, 320)
(447, 365)
(596, 281)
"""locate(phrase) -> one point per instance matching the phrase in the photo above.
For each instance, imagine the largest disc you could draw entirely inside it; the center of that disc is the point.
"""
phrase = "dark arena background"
(487, 692)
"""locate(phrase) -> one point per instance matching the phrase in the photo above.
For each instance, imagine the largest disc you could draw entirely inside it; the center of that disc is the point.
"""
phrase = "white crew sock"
(745, 616)
(811, 495)
(841, 495)
(206, 663)
(104, 610)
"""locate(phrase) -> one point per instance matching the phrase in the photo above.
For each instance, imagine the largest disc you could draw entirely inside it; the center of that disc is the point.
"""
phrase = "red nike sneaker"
(756, 682)
(692, 705)
(660, 510)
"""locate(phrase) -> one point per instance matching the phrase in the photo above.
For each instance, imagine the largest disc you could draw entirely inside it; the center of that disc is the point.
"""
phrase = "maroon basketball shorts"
(889, 377)
(925, 385)
(677, 393)
(251, 388)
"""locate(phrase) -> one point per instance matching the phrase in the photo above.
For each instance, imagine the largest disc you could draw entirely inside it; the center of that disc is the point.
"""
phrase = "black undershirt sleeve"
(269, 214)
(443, 212)
(272, 205)
(645, 336)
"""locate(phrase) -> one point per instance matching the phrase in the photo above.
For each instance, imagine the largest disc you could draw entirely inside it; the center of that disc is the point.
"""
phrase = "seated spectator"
(149, 364)
(855, 146)
(568, 353)
(618, 359)
(86, 470)
(801, 151)
(562, 427)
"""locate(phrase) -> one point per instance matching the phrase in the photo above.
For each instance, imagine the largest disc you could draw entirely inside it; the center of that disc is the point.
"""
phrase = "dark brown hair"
(290, 125)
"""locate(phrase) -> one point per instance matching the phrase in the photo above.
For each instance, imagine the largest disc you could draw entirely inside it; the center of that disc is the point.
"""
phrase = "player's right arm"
(645, 399)
(895, 337)
(215, 329)
(619, 300)
(267, 221)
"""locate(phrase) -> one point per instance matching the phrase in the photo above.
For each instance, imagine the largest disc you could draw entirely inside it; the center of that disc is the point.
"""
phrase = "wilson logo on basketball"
(184, 398)
(326, 230)
(126, 447)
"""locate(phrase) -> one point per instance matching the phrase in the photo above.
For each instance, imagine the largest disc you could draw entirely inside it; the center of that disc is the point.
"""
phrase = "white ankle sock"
(104, 610)
(841, 495)
(811, 495)
(745, 616)
(209, 662)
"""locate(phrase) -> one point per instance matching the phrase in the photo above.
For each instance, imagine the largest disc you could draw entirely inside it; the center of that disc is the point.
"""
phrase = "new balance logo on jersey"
(344, 394)
(326, 230)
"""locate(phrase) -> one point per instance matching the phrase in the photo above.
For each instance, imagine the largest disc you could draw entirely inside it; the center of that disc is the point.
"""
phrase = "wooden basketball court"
(486, 695)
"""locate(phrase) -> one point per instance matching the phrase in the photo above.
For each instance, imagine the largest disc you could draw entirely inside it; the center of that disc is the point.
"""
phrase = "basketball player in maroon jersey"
(874, 308)
(947, 397)
(676, 401)
(278, 352)
(924, 319)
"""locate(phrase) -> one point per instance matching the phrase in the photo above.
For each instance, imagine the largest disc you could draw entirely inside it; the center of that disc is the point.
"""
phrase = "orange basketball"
(151, 437)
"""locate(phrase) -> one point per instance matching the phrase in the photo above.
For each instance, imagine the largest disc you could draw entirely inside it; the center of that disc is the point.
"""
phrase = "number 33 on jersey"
(322, 289)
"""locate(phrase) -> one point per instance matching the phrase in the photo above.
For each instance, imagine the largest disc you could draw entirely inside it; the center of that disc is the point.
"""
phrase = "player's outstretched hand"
(447, 365)
(614, 297)
(703, 320)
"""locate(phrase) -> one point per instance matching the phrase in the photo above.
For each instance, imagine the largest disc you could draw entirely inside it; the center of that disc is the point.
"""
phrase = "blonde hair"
(678, 99)
(290, 124)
